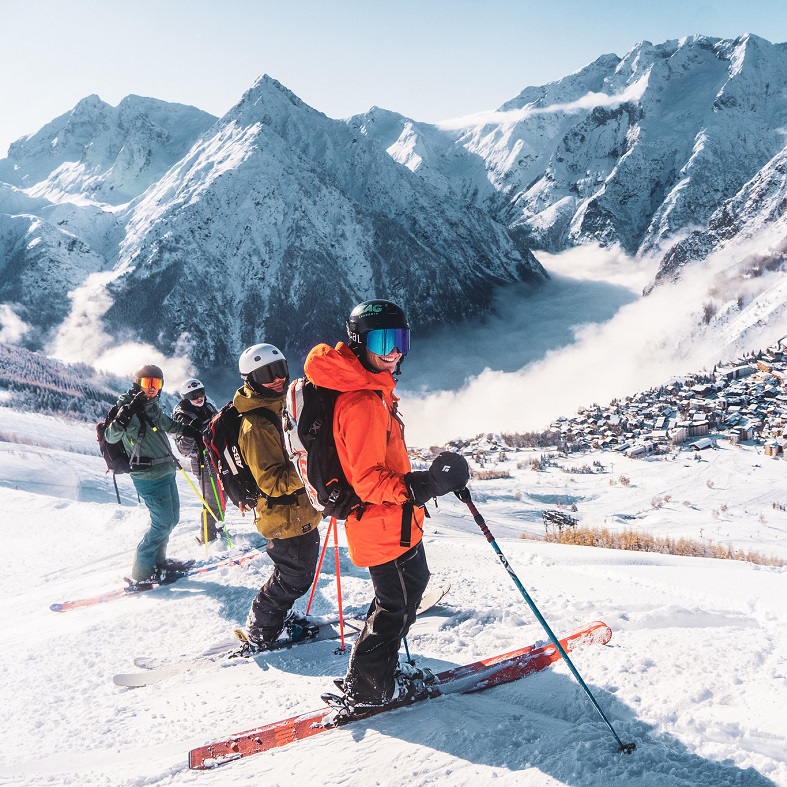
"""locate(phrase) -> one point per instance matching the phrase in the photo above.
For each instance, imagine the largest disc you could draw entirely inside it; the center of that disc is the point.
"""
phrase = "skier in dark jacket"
(196, 410)
(152, 469)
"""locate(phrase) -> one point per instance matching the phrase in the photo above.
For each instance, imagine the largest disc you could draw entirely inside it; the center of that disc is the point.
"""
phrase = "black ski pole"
(464, 496)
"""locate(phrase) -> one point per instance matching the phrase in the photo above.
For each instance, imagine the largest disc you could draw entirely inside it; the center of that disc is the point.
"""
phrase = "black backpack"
(114, 454)
(221, 445)
(237, 479)
(308, 436)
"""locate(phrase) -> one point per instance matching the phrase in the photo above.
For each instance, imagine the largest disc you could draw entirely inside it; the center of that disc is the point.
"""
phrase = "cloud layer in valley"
(641, 344)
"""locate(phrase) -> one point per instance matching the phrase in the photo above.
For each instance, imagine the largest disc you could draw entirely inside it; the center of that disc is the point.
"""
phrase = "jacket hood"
(246, 400)
(338, 369)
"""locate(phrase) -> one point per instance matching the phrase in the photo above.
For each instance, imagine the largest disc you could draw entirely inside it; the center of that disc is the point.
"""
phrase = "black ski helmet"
(371, 316)
(378, 315)
(148, 370)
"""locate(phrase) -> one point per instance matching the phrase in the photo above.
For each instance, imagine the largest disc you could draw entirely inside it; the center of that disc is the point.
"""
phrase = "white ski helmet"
(192, 389)
(262, 363)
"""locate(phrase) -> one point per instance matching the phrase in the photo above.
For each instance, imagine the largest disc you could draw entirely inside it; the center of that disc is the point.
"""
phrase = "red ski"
(466, 679)
(112, 595)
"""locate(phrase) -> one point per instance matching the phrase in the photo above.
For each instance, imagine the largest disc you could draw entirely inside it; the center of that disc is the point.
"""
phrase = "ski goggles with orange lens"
(383, 341)
(151, 382)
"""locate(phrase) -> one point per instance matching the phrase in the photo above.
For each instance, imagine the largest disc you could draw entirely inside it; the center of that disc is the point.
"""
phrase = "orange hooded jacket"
(370, 443)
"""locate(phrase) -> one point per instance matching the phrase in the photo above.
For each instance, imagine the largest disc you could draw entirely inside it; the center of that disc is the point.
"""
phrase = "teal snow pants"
(161, 498)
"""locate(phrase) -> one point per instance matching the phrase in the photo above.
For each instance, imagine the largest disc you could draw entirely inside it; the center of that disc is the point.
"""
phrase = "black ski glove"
(128, 411)
(190, 433)
(186, 445)
(448, 473)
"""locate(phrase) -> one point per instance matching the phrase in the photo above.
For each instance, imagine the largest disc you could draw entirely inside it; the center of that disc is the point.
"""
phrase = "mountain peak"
(267, 89)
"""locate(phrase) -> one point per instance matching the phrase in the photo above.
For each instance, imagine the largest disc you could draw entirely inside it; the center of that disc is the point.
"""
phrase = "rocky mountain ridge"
(159, 223)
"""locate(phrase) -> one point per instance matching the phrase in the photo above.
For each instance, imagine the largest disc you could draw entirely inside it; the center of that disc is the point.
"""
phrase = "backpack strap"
(407, 524)
(269, 416)
(290, 499)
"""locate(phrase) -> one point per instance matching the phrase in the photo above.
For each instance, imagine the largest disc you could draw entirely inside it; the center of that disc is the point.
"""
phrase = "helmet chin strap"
(265, 391)
(360, 353)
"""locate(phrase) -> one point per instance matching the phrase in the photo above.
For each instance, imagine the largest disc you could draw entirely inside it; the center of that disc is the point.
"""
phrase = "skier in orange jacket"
(385, 532)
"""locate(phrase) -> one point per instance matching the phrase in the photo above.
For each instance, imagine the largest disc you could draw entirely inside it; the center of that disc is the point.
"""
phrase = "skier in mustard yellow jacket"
(283, 514)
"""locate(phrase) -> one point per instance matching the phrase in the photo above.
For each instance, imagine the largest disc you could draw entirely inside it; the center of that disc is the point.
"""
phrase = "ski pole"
(220, 506)
(218, 494)
(144, 417)
(319, 566)
(204, 513)
(407, 652)
(338, 579)
(464, 496)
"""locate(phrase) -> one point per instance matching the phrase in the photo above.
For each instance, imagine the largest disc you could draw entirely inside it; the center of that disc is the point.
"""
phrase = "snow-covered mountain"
(759, 208)
(634, 150)
(104, 154)
(47, 250)
(280, 219)
(57, 220)
(155, 222)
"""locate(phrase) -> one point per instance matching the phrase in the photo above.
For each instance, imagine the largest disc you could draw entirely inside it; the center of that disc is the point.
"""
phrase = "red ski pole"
(319, 565)
(338, 578)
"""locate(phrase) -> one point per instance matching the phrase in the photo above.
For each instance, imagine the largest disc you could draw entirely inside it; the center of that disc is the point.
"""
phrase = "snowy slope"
(695, 672)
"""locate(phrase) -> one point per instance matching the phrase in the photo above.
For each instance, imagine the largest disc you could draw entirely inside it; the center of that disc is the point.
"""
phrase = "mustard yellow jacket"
(283, 510)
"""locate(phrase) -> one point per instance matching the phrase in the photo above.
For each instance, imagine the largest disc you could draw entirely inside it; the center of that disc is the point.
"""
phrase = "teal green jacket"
(145, 447)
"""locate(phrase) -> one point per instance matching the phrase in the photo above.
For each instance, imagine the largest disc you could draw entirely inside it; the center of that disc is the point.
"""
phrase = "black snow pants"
(294, 563)
(398, 588)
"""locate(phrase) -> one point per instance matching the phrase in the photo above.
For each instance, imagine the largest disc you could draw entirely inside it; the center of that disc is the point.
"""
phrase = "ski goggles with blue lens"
(383, 341)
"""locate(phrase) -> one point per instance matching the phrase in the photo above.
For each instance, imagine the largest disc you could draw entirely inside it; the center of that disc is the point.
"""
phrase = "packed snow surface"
(695, 673)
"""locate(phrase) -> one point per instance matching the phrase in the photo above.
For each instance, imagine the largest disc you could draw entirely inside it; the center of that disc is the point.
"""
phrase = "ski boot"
(295, 628)
(299, 627)
(170, 570)
(411, 684)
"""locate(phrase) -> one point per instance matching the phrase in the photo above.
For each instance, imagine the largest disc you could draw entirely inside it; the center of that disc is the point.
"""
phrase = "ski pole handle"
(464, 496)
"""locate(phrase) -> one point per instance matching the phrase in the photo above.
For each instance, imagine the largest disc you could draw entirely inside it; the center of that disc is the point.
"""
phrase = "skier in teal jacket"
(152, 469)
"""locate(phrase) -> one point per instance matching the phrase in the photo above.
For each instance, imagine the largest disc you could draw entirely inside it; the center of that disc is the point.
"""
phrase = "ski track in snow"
(695, 672)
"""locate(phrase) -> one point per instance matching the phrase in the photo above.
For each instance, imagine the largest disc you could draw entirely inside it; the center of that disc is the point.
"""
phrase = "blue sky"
(428, 59)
